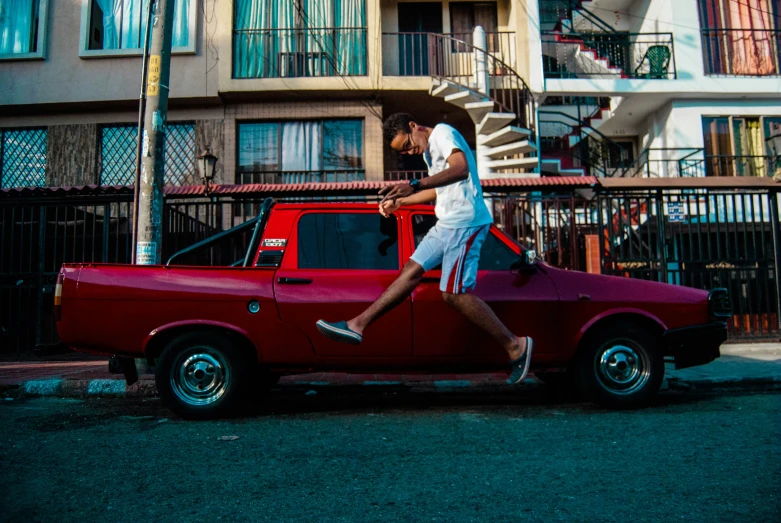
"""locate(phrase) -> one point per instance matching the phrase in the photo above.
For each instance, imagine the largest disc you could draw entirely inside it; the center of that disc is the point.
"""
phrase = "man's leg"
(397, 292)
(478, 312)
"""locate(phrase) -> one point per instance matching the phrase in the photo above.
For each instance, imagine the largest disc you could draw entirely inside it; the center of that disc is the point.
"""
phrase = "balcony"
(648, 56)
(288, 177)
(421, 54)
(749, 52)
(299, 53)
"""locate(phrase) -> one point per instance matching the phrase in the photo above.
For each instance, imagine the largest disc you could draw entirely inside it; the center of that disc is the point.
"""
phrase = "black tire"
(202, 375)
(620, 366)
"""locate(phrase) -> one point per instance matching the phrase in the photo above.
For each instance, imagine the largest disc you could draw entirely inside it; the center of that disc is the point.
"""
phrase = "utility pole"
(150, 201)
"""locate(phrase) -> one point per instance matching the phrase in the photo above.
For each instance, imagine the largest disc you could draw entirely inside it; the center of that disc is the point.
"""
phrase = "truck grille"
(720, 306)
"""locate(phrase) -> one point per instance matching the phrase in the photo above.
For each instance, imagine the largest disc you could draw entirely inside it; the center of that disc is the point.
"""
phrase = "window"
(738, 145)
(465, 16)
(22, 28)
(299, 152)
(494, 255)
(741, 37)
(117, 26)
(23, 155)
(118, 154)
(348, 241)
(274, 39)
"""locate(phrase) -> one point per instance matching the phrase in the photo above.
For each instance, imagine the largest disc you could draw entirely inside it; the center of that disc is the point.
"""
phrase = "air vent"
(270, 257)
(720, 306)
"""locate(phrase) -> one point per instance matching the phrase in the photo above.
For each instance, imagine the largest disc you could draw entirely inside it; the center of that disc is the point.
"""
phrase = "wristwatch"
(415, 184)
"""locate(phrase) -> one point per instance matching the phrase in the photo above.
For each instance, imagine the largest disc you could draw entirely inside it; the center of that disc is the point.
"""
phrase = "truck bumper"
(695, 345)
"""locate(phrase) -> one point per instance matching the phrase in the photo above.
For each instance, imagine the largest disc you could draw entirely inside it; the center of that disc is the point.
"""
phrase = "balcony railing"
(417, 54)
(297, 53)
(692, 162)
(750, 52)
(610, 55)
(288, 177)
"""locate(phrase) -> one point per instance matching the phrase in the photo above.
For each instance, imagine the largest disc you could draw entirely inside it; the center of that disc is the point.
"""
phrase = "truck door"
(342, 261)
(526, 303)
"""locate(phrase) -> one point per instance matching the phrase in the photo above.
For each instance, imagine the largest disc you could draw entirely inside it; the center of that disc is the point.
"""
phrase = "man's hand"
(388, 207)
(396, 191)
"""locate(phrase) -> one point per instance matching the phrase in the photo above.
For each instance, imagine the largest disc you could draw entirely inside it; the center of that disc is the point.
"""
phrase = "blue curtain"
(350, 20)
(262, 29)
(17, 20)
(124, 22)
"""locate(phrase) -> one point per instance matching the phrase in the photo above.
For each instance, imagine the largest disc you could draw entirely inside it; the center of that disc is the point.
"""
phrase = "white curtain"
(124, 22)
(16, 26)
(256, 44)
(351, 43)
(300, 150)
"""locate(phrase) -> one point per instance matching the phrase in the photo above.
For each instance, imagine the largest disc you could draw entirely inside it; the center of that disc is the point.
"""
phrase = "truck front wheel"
(201, 375)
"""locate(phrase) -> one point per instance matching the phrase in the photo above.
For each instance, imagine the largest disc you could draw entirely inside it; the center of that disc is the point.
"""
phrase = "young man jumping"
(455, 240)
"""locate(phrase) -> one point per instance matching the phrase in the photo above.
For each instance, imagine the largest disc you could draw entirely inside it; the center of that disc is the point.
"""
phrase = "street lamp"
(205, 163)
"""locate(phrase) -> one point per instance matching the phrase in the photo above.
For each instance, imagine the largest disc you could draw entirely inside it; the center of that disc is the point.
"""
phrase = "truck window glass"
(494, 256)
(347, 241)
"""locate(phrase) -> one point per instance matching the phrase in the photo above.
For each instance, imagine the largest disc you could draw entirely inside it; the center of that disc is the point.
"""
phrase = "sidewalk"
(741, 366)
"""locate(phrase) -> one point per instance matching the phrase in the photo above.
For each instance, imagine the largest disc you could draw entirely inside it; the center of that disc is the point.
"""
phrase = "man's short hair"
(396, 124)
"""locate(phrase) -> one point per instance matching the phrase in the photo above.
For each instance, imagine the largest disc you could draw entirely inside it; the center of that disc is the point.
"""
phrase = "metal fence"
(697, 238)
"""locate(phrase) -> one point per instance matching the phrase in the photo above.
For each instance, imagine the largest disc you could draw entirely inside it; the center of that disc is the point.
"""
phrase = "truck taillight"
(58, 297)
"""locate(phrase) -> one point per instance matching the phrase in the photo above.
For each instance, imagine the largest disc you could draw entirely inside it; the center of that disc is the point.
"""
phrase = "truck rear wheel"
(202, 375)
(620, 366)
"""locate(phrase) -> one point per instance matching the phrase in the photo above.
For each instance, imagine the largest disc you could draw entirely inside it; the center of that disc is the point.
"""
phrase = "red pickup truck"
(216, 333)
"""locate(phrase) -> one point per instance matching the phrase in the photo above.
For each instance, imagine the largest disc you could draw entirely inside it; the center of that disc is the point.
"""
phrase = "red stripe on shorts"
(463, 264)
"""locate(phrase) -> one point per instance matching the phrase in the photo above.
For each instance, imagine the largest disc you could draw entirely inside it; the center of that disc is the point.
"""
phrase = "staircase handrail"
(504, 102)
(581, 123)
(576, 6)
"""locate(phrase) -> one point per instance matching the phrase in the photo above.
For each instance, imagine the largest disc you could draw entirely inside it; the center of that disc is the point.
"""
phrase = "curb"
(145, 388)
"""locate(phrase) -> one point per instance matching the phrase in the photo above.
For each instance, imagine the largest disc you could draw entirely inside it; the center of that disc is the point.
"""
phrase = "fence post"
(776, 228)
(39, 277)
(660, 234)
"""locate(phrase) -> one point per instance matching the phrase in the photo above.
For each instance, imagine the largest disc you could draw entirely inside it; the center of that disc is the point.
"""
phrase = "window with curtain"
(19, 26)
(23, 157)
(118, 154)
(120, 24)
(299, 38)
(737, 145)
(741, 37)
(300, 151)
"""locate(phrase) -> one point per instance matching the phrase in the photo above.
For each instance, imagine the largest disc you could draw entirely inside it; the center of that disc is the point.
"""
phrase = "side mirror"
(525, 262)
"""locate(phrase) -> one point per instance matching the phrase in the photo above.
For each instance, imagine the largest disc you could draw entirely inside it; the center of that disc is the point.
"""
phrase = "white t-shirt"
(459, 204)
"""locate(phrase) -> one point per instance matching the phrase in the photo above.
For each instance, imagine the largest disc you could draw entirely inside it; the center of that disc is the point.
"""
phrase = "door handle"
(294, 281)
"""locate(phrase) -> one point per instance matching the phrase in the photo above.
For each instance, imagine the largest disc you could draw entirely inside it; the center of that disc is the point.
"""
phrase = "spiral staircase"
(497, 100)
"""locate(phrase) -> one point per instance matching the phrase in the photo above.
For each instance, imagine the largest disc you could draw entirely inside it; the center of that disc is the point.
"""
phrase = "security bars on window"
(23, 157)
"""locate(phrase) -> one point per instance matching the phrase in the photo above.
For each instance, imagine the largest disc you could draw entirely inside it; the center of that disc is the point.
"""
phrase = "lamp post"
(205, 164)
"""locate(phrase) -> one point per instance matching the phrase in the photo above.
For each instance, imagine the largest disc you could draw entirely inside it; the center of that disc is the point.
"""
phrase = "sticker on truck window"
(274, 242)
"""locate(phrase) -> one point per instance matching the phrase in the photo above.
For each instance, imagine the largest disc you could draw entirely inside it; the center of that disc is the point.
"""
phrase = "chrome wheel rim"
(621, 369)
(200, 376)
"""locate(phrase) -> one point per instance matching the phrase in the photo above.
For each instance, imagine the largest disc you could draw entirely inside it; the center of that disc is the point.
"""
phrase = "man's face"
(412, 142)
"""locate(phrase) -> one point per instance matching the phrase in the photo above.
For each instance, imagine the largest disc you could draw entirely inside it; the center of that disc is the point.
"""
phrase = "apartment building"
(658, 87)
(295, 91)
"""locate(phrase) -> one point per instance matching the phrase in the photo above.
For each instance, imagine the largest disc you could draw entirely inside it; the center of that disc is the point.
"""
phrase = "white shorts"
(458, 250)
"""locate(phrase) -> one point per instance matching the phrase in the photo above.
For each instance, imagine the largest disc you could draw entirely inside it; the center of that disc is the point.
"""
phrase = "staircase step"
(519, 147)
(478, 110)
(514, 163)
(492, 122)
(554, 167)
(465, 97)
(443, 89)
(504, 136)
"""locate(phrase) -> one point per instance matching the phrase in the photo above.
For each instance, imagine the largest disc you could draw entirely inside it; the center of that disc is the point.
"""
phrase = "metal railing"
(23, 157)
(750, 52)
(297, 53)
(555, 11)
(321, 176)
(693, 162)
(417, 54)
(613, 55)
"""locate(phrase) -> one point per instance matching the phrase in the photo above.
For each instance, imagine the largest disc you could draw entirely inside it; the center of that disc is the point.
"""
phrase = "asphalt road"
(395, 456)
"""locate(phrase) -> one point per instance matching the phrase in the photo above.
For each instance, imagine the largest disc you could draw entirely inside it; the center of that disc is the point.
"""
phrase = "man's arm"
(458, 170)
(388, 207)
